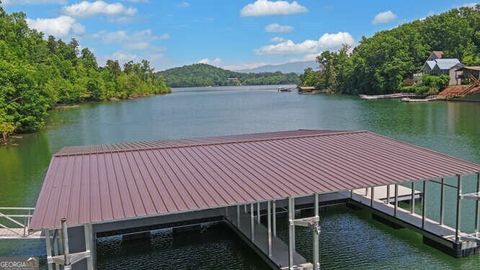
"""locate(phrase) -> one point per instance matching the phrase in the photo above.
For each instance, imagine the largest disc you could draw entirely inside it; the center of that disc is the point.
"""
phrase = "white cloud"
(184, 4)
(59, 27)
(278, 28)
(214, 61)
(86, 9)
(138, 40)
(267, 7)
(277, 40)
(326, 42)
(32, 2)
(384, 17)
(469, 5)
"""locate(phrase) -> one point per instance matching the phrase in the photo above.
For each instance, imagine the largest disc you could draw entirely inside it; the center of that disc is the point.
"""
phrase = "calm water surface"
(349, 239)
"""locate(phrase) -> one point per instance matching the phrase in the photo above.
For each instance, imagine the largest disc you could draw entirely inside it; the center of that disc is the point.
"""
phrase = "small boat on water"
(388, 96)
(284, 89)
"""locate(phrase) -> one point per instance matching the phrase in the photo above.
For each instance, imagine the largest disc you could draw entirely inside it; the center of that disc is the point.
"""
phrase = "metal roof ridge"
(105, 151)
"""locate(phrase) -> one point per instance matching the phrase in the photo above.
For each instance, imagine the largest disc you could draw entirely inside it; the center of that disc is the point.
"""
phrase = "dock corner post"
(274, 218)
(291, 231)
(442, 201)
(387, 201)
(258, 212)
(269, 228)
(90, 246)
(395, 208)
(316, 236)
(66, 246)
(48, 243)
(477, 206)
(372, 196)
(412, 202)
(252, 223)
(238, 216)
(458, 212)
(424, 203)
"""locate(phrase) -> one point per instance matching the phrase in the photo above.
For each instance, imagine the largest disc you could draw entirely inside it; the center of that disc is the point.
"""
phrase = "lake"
(349, 239)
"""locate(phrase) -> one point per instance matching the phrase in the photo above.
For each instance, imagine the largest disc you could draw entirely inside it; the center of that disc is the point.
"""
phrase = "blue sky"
(233, 34)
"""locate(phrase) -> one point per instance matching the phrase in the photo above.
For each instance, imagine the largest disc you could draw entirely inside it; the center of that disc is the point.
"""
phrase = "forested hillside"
(207, 75)
(37, 73)
(380, 64)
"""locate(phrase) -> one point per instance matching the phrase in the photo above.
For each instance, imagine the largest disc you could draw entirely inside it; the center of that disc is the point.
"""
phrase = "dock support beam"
(372, 195)
(459, 197)
(424, 204)
(316, 240)
(274, 217)
(291, 231)
(258, 212)
(238, 216)
(477, 206)
(412, 204)
(442, 201)
(252, 223)
(48, 243)
(269, 228)
(388, 195)
(395, 208)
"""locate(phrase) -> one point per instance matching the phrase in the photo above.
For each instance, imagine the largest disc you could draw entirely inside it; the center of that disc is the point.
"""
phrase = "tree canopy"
(36, 74)
(381, 63)
(207, 75)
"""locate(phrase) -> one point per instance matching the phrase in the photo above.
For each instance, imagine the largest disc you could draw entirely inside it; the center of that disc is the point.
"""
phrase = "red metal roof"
(105, 183)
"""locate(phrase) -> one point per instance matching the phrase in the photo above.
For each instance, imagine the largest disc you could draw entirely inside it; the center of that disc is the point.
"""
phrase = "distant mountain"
(207, 75)
(295, 67)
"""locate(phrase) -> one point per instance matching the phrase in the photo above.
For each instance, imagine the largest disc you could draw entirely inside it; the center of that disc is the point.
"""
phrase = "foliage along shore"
(37, 74)
(198, 75)
(383, 63)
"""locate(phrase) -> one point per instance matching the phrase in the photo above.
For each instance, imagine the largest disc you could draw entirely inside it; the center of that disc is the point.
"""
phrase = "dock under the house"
(245, 181)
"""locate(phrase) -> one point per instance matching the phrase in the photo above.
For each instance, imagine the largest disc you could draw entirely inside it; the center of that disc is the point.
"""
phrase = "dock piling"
(424, 203)
(396, 201)
(274, 217)
(291, 231)
(442, 201)
(269, 228)
(316, 232)
(457, 218)
(477, 206)
(252, 223)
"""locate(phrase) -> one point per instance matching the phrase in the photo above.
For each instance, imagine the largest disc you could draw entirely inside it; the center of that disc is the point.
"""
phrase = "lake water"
(349, 239)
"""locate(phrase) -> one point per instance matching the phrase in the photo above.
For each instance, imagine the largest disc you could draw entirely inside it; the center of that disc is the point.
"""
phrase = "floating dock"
(93, 191)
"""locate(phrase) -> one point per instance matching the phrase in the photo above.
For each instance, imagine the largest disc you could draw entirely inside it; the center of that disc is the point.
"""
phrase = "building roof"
(97, 184)
(431, 63)
(437, 54)
(446, 63)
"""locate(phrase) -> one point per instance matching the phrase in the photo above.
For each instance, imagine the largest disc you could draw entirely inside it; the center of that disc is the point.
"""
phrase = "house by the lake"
(437, 65)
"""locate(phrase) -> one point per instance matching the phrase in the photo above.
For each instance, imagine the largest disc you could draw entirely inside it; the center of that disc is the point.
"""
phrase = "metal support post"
(372, 195)
(258, 212)
(89, 246)
(48, 243)
(412, 202)
(291, 231)
(252, 223)
(274, 217)
(477, 206)
(66, 248)
(388, 195)
(424, 203)
(269, 227)
(238, 216)
(316, 242)
(442, 201)
(457, 219)
(395, 208)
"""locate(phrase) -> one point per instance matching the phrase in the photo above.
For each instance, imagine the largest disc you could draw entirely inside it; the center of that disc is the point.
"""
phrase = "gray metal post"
(238, 216)
(252, 223)
(388, 195)
(316, 242)
(291, 231)
(90, 246)
(477, 206)
(395, 208)
(457, 219)
(274, 217)
(372, 195)
(412, 202)
(66, 247)
(424, 204)
(48, 243)
(245, 210)
(269, 226)
(442, 201)
(258, 212)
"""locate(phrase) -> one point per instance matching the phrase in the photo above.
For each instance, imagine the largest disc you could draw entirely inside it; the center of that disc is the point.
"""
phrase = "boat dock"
(247, 181)
(388, 96)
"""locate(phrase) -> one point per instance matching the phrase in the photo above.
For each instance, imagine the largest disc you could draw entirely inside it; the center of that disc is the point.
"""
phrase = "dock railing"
(15, 221)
